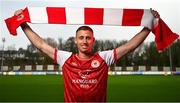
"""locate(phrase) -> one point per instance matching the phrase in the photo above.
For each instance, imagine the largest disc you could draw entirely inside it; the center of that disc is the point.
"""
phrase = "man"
(85, 74)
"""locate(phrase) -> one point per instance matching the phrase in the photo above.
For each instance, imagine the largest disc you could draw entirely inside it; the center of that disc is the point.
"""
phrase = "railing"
(55, 69)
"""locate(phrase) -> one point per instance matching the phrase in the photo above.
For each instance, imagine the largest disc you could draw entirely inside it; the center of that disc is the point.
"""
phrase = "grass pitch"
(131, 88)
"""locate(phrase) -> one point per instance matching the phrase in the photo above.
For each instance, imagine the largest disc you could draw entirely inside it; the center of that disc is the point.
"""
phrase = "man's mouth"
(84, 46)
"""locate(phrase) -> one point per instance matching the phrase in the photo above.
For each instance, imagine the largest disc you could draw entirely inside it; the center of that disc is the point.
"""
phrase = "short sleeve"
(108, 56)
(61, 56)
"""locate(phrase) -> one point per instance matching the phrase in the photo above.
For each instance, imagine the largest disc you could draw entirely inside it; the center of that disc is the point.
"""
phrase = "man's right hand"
(19, 14)
(155, 13)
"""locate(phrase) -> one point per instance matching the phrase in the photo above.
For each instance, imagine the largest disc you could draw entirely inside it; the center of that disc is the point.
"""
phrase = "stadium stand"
(154, 68)
(28, 68)
(178, 69)
(16, 68)
(55, 69)
(39, 67)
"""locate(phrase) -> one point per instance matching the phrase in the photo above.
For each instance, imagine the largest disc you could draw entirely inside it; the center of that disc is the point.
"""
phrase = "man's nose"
(84, 40)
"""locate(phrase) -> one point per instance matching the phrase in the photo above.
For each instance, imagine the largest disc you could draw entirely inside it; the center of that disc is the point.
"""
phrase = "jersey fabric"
(85, 80)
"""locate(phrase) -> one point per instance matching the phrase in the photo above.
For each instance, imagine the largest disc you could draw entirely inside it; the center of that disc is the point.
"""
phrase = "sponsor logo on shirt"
(83, 82)
(83, 74)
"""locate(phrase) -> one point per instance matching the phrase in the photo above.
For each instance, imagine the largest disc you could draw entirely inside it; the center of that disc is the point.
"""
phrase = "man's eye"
(88, 38)
(81, 37)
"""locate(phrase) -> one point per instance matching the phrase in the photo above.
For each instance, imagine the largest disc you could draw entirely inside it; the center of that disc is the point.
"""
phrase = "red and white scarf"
(164, 37)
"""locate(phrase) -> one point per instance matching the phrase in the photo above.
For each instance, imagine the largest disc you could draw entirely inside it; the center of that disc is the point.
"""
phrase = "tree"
(70, 45)
(153, 58)
(175, 52)
(60, 45)
(52, 42)
(96, 46)
(31, 48)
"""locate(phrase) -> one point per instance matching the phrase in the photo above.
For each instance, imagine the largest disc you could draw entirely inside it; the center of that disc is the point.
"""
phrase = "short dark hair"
(84, 28)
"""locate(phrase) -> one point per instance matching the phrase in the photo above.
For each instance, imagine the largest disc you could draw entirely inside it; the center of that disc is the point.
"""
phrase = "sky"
(169, 11)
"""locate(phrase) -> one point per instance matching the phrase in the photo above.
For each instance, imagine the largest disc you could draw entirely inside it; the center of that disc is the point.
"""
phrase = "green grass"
(144, 88)
(120, 88)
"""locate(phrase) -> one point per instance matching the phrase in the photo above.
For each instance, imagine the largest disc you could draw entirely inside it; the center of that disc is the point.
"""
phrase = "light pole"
(170, 60)
(2, 58)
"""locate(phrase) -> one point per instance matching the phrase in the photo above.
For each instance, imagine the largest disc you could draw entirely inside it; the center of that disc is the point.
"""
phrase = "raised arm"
(135, 41)
(35, 39)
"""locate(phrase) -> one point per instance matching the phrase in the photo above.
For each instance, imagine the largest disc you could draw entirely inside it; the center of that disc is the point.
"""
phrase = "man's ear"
(75, 40)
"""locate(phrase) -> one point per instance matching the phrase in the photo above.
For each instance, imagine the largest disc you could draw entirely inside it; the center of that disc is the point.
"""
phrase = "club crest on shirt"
(95, 63)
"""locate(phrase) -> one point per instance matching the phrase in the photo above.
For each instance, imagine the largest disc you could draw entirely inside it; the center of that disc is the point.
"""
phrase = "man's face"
(84, 41)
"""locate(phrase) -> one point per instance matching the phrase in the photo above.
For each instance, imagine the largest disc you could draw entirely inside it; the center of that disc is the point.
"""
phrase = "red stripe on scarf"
(93, 15)
(56, 15)
(132, 17)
